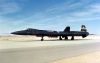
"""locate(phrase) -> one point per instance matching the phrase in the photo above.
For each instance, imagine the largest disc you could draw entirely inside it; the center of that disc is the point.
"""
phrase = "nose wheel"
(42, 38)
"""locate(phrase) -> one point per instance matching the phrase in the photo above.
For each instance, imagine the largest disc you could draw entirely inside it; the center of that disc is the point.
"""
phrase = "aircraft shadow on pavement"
(50, 40)
(64, 40)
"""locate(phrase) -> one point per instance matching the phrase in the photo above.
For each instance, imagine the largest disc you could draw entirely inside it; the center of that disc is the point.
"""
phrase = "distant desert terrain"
(5, 38)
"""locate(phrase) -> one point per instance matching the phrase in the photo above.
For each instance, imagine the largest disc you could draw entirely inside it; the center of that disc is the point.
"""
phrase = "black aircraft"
(61, 34)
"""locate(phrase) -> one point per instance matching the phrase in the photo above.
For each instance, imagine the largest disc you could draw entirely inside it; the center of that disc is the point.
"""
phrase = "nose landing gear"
(42, 38)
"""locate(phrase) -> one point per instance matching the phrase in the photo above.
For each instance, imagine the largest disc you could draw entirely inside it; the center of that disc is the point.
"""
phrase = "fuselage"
(50, 33)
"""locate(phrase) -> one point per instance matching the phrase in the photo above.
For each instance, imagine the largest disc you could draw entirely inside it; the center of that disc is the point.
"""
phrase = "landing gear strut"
(60, 38)
(66, 37)
(42, 38)
(72, 38)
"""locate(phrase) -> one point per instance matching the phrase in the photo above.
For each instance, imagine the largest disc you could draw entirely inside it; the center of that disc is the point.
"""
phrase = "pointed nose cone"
(14, 33)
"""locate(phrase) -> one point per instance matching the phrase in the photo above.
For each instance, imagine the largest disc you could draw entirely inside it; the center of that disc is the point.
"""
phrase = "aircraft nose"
(14, 33)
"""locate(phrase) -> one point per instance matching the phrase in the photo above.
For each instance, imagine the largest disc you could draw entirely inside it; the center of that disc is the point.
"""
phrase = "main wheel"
(72, 38)
(60, 38)
(66, 38)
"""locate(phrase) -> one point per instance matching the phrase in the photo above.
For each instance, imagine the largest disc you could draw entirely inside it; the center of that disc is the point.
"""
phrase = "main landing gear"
(66, 38)
(60, 38)
(72, 38)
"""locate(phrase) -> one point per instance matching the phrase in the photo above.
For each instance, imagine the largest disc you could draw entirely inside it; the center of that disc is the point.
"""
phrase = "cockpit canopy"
(30, 29)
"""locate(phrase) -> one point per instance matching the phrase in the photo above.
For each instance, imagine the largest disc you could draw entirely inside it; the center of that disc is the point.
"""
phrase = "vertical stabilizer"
(67, 29)
(83, 28)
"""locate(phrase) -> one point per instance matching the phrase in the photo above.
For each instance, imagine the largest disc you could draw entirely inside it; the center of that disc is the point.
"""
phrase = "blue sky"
(49, 14)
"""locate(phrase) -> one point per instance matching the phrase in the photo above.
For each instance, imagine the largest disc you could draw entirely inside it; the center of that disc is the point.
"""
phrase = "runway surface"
(44, 52)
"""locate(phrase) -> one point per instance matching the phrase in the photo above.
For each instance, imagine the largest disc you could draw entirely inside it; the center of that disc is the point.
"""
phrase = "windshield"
(29, 29)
